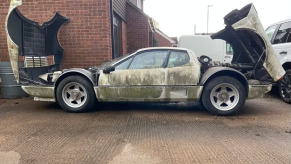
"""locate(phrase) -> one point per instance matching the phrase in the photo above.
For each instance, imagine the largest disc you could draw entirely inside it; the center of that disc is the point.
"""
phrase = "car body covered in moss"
(161, 74)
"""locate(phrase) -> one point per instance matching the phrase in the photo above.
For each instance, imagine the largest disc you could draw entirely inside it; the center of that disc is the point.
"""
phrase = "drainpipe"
(112, 36)
(153, 38)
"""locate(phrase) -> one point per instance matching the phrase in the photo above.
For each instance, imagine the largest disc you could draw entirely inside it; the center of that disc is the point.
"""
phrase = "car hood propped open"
(250, 43)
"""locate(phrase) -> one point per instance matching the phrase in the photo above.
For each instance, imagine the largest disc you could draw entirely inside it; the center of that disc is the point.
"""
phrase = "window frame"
(141, 52)
(165, 64)
(288, 22)
(118, 44)
(276, 31)
(168, 57)
(124, 60)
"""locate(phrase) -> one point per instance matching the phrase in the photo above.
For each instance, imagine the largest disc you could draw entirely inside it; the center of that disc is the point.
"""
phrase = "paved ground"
(120, 133)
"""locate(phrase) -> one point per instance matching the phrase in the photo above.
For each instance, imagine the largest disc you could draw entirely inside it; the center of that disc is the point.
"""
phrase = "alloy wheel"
(285, 87)
(224, 96)
(74, 94)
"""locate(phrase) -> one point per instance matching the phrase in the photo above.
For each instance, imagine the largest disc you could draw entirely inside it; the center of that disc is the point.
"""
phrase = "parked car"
(217, 50)
(280, 37)
(147, 75)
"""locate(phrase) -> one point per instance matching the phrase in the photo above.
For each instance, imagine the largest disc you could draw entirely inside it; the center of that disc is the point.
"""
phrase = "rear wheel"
(285, 87)
(224, 96)
(75, 94)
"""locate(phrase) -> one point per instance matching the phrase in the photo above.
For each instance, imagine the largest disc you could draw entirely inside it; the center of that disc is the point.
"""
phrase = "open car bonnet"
(28, 39)
(250, 43)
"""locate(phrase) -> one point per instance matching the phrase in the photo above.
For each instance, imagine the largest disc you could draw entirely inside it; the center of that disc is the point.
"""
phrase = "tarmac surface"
(141, 133)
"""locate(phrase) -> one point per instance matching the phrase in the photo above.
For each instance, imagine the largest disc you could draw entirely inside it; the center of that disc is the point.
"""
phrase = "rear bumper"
(258, 90)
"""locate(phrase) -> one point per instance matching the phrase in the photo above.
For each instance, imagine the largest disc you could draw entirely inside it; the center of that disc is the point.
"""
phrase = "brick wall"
(124, 37)
(86, 38)
(162, 41)
(137, 29)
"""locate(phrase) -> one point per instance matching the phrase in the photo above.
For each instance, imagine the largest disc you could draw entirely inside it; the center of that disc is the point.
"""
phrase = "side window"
(270, 31)
(283, 34)
(229, 50)
(149, 60)
(123, 65)
(178, 58)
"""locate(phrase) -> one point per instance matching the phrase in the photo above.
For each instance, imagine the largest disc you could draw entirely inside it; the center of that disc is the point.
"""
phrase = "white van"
(217, 50)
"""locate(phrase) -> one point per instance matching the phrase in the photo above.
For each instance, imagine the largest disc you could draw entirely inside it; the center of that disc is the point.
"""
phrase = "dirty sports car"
(147, 75)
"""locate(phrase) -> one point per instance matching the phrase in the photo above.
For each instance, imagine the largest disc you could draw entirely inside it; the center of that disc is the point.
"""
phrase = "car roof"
(288, 20)
(162, 48)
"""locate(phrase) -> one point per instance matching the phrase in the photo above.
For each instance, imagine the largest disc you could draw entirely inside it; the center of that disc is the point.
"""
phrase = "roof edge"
(165, 36)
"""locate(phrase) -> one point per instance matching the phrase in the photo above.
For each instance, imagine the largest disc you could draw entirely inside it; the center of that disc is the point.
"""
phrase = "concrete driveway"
(122, 133)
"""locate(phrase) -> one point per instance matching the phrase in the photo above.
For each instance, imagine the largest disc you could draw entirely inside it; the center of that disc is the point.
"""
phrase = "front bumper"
(41, 93)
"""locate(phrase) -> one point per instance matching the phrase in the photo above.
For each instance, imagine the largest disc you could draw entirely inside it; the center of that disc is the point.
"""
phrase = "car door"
(182, 77)
(140, 78)
(282, 42)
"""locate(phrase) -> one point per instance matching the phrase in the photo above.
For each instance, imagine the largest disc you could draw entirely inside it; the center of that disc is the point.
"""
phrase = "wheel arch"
(74, 72)
(224, 71)
(287, 65)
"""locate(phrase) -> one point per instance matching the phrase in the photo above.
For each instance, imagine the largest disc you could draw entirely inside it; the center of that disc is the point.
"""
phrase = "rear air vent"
(31, 62)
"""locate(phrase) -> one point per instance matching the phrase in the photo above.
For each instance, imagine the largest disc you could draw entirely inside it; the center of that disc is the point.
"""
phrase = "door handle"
(227, 56)
(283, 52)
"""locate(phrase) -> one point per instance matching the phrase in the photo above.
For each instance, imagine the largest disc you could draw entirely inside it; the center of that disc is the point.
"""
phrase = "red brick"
(162, 41)
(88, 20)
(137, 29)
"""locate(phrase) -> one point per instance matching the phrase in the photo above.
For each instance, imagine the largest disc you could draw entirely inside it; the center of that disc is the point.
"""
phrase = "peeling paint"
(258, 90)
(39, 91)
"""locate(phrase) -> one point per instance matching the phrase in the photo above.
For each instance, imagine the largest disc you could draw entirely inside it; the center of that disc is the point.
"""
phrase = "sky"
(178, 17)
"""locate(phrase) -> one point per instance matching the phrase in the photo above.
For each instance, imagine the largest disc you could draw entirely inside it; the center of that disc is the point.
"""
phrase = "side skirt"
(148, 93)
(258, 90)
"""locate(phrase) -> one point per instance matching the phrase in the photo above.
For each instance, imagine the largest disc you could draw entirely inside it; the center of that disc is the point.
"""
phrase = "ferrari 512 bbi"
(147, 75)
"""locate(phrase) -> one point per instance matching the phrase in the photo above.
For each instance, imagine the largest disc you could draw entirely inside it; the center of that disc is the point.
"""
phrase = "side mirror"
(109, 69)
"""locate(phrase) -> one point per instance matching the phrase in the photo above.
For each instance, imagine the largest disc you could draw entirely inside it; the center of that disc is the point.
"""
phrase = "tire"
(75, 94)
(285, 87)
(226, 91)
(201, 104)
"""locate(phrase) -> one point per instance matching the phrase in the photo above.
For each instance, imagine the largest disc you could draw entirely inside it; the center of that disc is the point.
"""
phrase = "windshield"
(111, 62)
(120, 58)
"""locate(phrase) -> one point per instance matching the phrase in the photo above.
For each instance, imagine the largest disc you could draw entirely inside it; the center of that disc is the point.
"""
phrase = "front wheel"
(75, 94)
(285, 87)
(224, 96)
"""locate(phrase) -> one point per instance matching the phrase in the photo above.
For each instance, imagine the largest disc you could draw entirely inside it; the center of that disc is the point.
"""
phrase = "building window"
(117, 34)
(139, 4)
